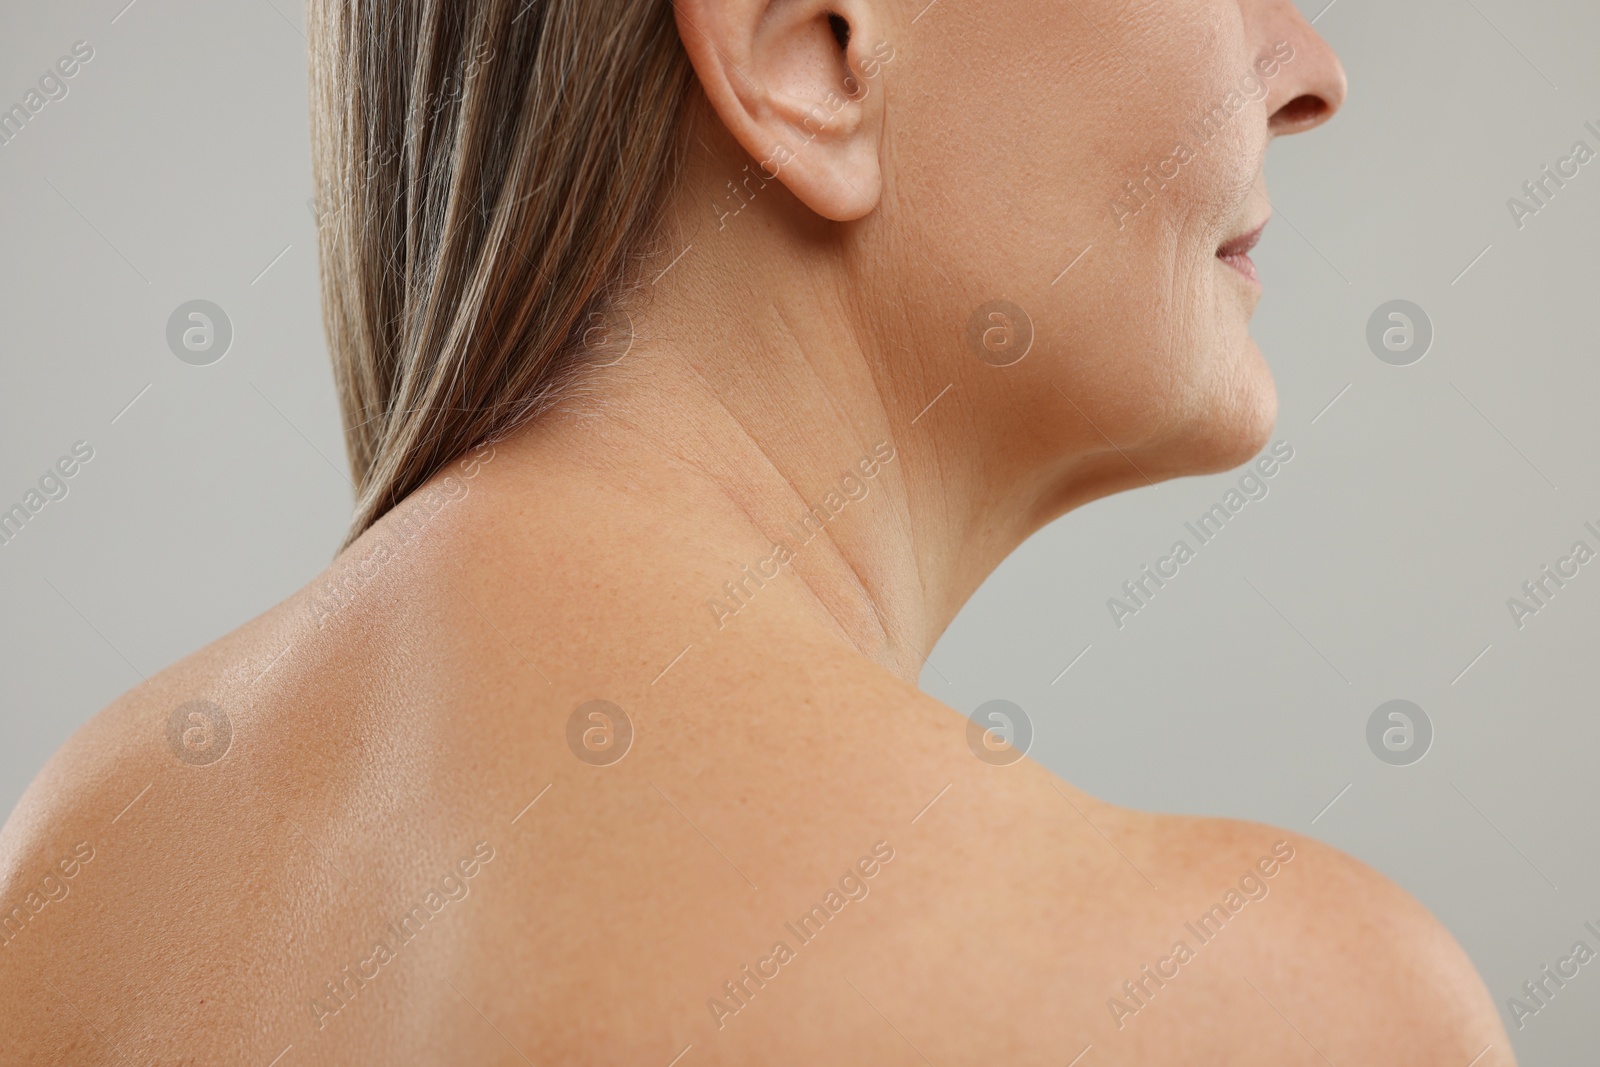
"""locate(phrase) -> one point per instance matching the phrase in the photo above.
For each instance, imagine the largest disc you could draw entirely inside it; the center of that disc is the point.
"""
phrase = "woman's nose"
(1311, 86)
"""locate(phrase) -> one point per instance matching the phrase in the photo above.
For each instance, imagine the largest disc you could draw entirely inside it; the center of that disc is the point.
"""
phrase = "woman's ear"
(799, 85)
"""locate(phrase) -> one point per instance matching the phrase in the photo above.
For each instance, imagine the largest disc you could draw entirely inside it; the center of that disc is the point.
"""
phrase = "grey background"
(1378, 567)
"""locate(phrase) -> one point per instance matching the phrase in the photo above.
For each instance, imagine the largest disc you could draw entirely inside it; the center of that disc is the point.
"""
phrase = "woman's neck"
(772, 465)
(769, 400)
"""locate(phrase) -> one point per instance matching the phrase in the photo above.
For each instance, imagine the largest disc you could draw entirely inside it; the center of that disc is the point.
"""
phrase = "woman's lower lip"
(1242, 263)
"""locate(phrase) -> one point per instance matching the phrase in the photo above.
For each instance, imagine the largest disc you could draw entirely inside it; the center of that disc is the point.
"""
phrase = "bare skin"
(378, 750)
(405, 744)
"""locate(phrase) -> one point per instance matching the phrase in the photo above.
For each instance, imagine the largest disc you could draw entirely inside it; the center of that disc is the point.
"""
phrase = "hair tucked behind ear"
(489, 172)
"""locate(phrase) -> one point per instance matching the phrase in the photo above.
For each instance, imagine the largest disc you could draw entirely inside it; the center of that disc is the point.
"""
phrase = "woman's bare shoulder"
(182, 869)
(1308, 950)
(288, 847)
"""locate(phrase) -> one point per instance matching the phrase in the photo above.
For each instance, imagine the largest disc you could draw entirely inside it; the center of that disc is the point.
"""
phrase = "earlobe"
(798, 85)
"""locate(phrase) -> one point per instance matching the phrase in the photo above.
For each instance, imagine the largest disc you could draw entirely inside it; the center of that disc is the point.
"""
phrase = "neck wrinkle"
(862, 621)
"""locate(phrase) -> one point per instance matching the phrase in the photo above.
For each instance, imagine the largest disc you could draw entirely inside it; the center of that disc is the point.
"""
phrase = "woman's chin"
(1234, 420)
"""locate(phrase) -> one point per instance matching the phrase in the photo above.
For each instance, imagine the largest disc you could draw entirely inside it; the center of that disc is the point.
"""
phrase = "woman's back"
(368, 826)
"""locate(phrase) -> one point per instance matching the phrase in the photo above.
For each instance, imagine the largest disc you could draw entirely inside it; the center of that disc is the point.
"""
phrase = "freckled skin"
(405, 719)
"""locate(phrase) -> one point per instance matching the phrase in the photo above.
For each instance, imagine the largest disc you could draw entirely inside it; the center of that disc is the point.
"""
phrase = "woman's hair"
(491, 173)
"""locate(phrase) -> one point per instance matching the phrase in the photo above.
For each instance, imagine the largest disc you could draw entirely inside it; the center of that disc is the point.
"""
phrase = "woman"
(698, 362)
